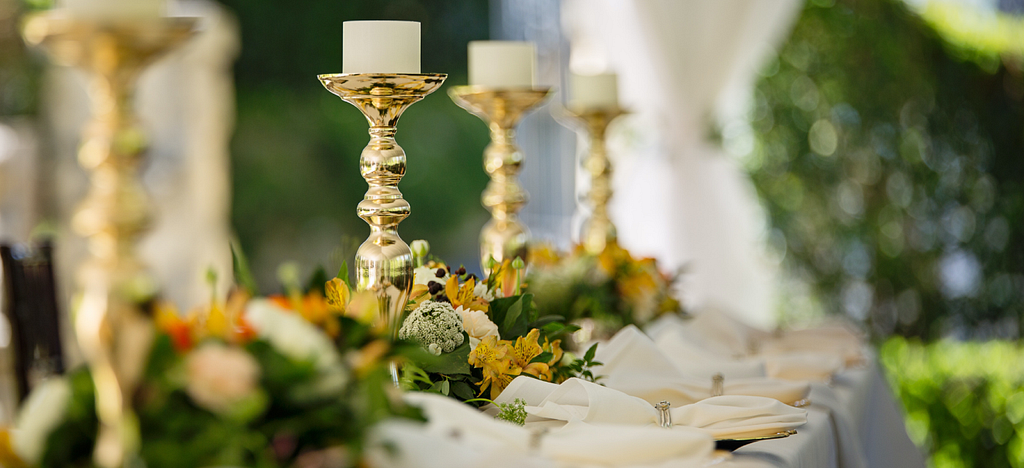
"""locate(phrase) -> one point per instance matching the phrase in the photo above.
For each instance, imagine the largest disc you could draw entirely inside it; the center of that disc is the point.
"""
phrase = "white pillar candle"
(594, 91)
(380, 47)
(115, 9)
(502, 64)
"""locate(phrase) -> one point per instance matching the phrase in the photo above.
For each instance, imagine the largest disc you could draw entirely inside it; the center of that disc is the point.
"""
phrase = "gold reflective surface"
(504, 236)
(383, 263)
(112, 330)
(598, 230)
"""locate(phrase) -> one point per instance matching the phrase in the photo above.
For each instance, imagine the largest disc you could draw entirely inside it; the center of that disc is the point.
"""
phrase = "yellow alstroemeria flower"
(492, 356)
(463, 295)
(8, 458)
(338, 294)
(525, 350)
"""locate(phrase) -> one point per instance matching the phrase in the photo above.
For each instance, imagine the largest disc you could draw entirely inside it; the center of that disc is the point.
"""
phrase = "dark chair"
(31, 309)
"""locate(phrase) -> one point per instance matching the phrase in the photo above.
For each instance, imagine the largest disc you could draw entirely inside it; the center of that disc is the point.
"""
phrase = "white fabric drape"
(677, 197)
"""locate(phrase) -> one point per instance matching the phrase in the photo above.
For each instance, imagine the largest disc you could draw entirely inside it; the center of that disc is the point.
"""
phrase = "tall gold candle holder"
(598, 230)
(504, 236)
(383, 263)
(113, 331)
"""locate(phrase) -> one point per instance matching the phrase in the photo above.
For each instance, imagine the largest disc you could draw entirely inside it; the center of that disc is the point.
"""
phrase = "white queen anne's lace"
(434, 325)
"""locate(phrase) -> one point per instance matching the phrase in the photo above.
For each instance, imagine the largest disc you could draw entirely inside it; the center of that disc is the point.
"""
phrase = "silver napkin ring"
(717, 385)
(664, 415)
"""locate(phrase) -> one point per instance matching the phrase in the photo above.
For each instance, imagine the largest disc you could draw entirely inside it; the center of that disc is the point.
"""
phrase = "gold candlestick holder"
(504, 236)
(598, 230)
(383, 263)
(112, 330)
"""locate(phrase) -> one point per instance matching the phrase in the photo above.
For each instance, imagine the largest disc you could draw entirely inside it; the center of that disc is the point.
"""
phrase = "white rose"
(298, 339)
(41, 413)
(424, 275)
(220, 377)
(480, 290)
(477, 325)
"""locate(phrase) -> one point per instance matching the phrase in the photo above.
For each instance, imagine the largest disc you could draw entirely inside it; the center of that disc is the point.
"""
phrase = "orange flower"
(463, 295)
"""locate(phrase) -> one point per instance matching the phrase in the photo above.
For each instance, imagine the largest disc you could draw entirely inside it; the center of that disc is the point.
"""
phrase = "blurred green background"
(887, 150)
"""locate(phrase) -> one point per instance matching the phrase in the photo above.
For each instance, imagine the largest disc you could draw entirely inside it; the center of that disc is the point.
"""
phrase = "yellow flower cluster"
(501, 360)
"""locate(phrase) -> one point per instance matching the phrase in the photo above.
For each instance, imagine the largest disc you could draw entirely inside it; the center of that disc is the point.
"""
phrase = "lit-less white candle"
(594, 91)
(502, 64)
(115, 9)
(380, 47)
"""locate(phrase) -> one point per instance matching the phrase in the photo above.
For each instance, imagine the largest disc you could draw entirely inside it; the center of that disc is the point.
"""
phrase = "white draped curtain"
(684, 65)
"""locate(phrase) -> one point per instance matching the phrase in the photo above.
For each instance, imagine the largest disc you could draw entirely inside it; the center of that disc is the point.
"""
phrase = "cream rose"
(220, 377)
(477, 325)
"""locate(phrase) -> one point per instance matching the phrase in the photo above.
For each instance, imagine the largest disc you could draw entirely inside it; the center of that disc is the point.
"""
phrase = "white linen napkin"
(476, 436)
(836, 340)
(812, 367)
(590, 444)
(676, 342)
(737, 416)
(633, 364)
(695, 361)
(724, 416)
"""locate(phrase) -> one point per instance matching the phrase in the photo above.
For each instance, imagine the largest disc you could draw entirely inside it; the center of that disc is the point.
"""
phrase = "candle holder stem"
(113, 330)
(598, 230)
(384, 262)
(504, 237)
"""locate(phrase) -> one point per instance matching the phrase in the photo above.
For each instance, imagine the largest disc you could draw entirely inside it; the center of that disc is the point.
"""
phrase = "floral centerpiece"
(479, 334)
(612, 289)
(287, 380)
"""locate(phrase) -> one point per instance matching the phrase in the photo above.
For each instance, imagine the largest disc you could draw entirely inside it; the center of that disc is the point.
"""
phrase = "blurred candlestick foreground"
(869, 166)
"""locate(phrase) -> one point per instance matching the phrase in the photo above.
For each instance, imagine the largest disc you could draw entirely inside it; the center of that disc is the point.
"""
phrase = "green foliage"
(513, 315)
(240, 269)
(514, 412)
(964, 402)
(891, 173)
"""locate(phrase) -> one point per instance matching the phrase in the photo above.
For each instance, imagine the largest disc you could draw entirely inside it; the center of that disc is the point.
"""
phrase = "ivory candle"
(502, 64)
(116, 9)
(594, 91)
(380, 47)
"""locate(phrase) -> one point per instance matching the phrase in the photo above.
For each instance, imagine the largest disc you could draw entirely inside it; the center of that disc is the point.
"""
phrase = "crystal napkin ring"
(717, 385)
(664, 415)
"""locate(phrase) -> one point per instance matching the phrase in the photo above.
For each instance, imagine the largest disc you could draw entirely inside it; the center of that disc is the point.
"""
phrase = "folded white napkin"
(834, 340)
(724, 334)
(476, 437)
(723, 417)
(812, 367)
(673, 340)
(698, 362)
(590, 444)
(737, 416)
(633, 364)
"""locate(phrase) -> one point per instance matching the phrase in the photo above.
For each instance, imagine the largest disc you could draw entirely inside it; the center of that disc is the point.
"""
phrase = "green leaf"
(455, 362)
(543, 357)
(343, 274)
(240, 269)
(462, 390)
(547, 320)
(589, 356)
(513, 314)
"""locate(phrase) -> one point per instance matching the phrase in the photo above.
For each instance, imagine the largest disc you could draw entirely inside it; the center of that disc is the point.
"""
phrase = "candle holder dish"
(504, 236)
(113, 331)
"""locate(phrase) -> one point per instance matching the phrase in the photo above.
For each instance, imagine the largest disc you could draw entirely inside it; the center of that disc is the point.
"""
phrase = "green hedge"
(964, 401)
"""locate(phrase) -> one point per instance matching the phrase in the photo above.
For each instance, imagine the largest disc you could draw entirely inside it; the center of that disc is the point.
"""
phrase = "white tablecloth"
(872, 414)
